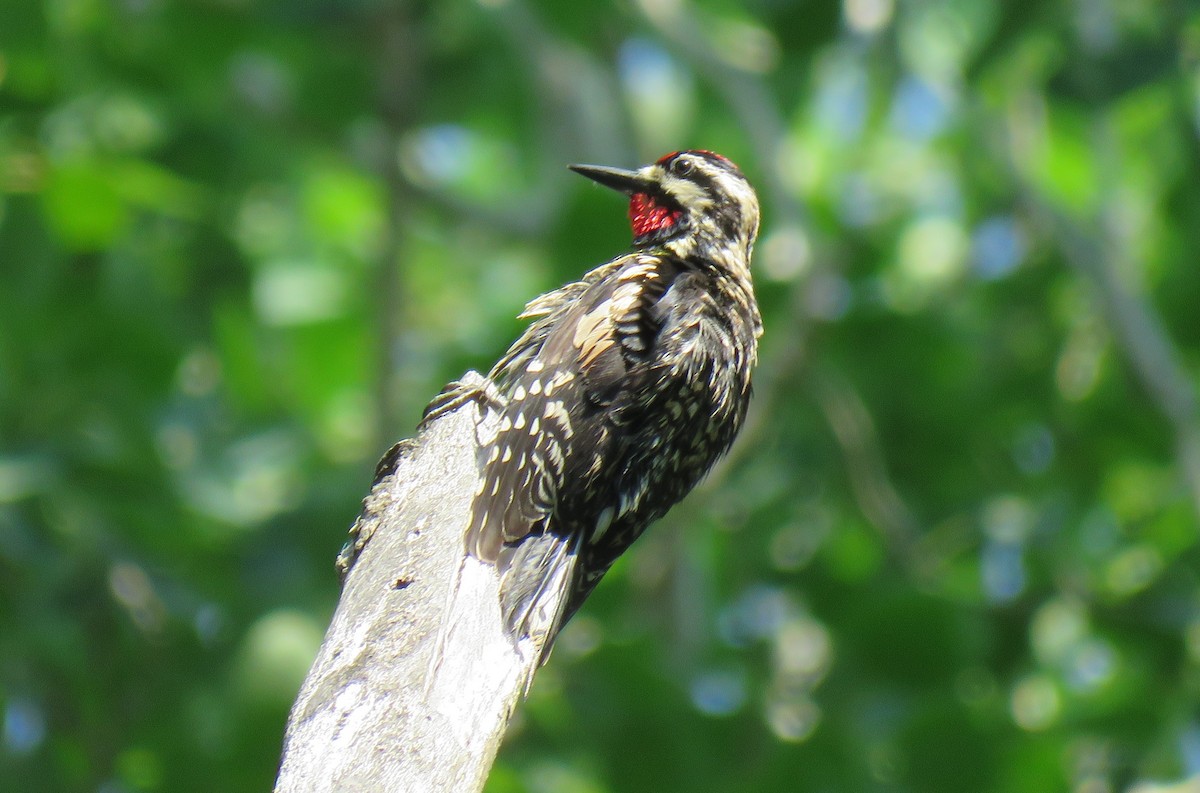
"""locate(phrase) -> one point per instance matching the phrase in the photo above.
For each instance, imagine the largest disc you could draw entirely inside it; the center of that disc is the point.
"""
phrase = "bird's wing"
(561, 379)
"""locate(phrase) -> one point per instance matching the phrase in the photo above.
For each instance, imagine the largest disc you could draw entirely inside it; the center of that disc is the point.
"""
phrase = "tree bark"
(416, 679)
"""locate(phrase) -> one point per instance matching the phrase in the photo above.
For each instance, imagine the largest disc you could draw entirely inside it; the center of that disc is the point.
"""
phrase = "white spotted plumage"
(624, 389)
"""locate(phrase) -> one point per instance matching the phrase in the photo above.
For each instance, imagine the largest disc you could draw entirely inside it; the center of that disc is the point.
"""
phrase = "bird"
(623, 391)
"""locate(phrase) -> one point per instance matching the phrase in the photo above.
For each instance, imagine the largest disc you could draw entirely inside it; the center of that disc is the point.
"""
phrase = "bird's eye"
(681, 167)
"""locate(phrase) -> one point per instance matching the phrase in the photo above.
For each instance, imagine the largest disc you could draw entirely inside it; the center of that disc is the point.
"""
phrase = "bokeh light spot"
(719, 692)
(867, 17)
(1036, 703)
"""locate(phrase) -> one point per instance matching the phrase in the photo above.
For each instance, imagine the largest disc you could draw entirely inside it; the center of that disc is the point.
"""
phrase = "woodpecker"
(622, 392)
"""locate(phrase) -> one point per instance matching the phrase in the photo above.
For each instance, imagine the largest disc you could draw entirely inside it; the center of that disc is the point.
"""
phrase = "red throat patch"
(647, 217)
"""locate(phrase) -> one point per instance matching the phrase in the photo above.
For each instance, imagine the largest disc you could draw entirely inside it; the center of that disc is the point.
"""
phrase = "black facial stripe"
(729, 221)
(708, 173)
(727, 216)
(703, 178)
(717, 162)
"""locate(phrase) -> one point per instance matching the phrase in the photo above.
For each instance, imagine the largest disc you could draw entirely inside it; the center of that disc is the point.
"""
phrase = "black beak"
(627, 182)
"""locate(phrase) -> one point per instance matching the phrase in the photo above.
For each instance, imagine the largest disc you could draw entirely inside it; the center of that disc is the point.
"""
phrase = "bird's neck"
(727, 256)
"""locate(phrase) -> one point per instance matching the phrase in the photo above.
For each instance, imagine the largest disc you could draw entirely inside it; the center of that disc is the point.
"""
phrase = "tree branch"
(416, 679)
(1140, 335)
(877, 496)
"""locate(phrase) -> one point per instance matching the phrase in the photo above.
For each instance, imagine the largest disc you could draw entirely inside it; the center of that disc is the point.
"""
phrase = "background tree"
(242, 243)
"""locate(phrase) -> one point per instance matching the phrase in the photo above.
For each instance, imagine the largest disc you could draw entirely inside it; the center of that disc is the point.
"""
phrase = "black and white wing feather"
(569, 382)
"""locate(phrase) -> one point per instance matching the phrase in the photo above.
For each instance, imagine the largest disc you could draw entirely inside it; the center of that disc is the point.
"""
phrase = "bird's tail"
(537, 578)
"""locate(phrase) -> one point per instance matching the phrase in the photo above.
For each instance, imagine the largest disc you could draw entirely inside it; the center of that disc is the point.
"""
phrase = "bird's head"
(693, 203)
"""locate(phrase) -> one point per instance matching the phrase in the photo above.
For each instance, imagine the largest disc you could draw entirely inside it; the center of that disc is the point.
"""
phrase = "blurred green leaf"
(84, 206)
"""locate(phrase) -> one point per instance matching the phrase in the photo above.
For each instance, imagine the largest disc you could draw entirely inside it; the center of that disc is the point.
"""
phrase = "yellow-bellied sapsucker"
(623, 391)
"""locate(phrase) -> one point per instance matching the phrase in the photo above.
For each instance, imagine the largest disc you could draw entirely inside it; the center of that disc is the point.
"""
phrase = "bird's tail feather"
(537, 576)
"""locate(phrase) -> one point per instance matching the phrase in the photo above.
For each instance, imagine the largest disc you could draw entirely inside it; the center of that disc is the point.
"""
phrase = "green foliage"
(241, 244)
